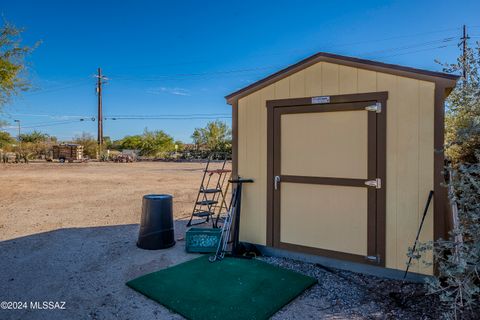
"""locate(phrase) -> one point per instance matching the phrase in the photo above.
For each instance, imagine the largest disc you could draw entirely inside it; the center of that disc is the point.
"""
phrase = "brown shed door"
(325, 168)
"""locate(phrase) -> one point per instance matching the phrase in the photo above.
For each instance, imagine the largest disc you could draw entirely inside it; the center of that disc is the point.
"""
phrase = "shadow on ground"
(87, 269)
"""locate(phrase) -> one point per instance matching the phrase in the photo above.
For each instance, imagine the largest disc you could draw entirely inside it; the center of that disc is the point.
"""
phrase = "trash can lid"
(157, 196)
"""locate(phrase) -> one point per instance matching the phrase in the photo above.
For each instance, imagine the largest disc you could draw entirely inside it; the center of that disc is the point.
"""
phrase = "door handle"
(276, 180)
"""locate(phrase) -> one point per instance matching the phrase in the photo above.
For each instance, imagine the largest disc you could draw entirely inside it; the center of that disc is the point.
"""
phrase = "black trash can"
(156, 226)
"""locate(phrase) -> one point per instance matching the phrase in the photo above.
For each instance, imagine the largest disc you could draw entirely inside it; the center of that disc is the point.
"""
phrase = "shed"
(344, 153)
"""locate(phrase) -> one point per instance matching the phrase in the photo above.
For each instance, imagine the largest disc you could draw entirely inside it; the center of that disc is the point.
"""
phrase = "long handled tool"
(399, 296)
(430, 196)
(232, 218)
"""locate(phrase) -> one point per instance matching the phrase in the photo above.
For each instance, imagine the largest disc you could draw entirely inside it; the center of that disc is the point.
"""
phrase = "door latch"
(377, 107)
(276, 181)
(377, 183)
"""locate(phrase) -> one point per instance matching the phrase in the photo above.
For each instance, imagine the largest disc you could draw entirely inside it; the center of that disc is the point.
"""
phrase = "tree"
(155, 142)
(131, 142)
(89, 144)
(35, 144)
(12, 62)
(107, 142)
(458, 258)
(34, 137)
(180, 145)
(462, 131)
(216, 136)
(6, 140)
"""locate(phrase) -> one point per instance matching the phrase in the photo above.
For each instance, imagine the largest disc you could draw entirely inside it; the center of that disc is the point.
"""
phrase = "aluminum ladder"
(211, 197)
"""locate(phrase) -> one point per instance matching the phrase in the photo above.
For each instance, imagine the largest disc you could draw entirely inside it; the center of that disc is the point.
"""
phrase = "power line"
(167, 118)
(393, 38)
(182, 75)
(53, 116)
(57, 121)
(51, 124)
(101, 80)
(350, 44)
(168, 115)
(421, 50)
(55, 89)
(421, 44)
(234, 71)
(328, 46)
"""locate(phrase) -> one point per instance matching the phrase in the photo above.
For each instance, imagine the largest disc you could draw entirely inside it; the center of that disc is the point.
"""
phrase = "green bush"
(216, 137)
(89, 143)
(457, 259)
(6, 141)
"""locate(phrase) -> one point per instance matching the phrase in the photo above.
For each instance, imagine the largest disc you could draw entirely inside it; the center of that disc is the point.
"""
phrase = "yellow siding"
(407, 165)
(297, 84)
(319, 211)
(326, 144)
(282, 89)
(409, 149)
(347, 80)
(425, 164)
(367, 81)
(330, 79)
(387, 82)
(313, 80)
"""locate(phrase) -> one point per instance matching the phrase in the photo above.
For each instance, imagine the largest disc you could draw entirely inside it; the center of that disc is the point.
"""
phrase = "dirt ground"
(68, 234)
(40, 197)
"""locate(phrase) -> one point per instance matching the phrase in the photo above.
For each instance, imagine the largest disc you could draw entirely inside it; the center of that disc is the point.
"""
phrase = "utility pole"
(18, 121)
(464, 51)
(100, 80)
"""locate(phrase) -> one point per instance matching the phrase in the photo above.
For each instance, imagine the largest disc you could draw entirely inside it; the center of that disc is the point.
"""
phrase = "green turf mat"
(229, 289)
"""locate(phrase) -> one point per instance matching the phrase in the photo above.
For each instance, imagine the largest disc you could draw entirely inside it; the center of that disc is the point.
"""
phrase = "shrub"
(457, 259)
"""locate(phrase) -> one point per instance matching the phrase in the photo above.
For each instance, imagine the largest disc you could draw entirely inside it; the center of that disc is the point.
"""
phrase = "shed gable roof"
(447, 80)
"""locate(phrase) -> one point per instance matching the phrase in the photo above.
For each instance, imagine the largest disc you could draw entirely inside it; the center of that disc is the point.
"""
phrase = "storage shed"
(344, 153)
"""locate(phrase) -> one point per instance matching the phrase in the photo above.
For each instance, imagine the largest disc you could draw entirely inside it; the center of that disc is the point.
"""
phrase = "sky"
(170, 61)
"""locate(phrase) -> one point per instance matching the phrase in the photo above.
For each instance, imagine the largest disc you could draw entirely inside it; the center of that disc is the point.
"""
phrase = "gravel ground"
(347, 295)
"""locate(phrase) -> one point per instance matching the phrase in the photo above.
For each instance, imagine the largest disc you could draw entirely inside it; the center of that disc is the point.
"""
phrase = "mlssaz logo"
(47, 305)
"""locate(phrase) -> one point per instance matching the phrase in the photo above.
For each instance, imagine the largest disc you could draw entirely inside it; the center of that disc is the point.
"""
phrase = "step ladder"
(211, 198)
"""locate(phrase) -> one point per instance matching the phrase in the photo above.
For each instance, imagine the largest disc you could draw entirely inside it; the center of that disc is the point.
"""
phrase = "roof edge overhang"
(448, 81)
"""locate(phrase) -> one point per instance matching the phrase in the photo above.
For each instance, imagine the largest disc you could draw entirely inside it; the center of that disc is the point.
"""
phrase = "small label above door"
(323, 99)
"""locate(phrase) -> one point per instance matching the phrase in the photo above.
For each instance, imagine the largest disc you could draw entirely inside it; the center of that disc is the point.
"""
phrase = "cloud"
(175, 91)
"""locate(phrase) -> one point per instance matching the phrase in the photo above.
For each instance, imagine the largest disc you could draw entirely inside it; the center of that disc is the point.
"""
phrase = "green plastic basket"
(201, 240)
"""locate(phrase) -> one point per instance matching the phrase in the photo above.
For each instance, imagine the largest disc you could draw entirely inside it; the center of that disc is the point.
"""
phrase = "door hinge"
(375, 259)
(377, 183)
(377, 107)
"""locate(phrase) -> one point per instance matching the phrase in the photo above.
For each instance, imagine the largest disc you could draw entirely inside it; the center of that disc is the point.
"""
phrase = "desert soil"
(39, 197)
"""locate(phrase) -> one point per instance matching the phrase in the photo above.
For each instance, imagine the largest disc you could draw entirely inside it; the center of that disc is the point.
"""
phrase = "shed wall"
(410, 150)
